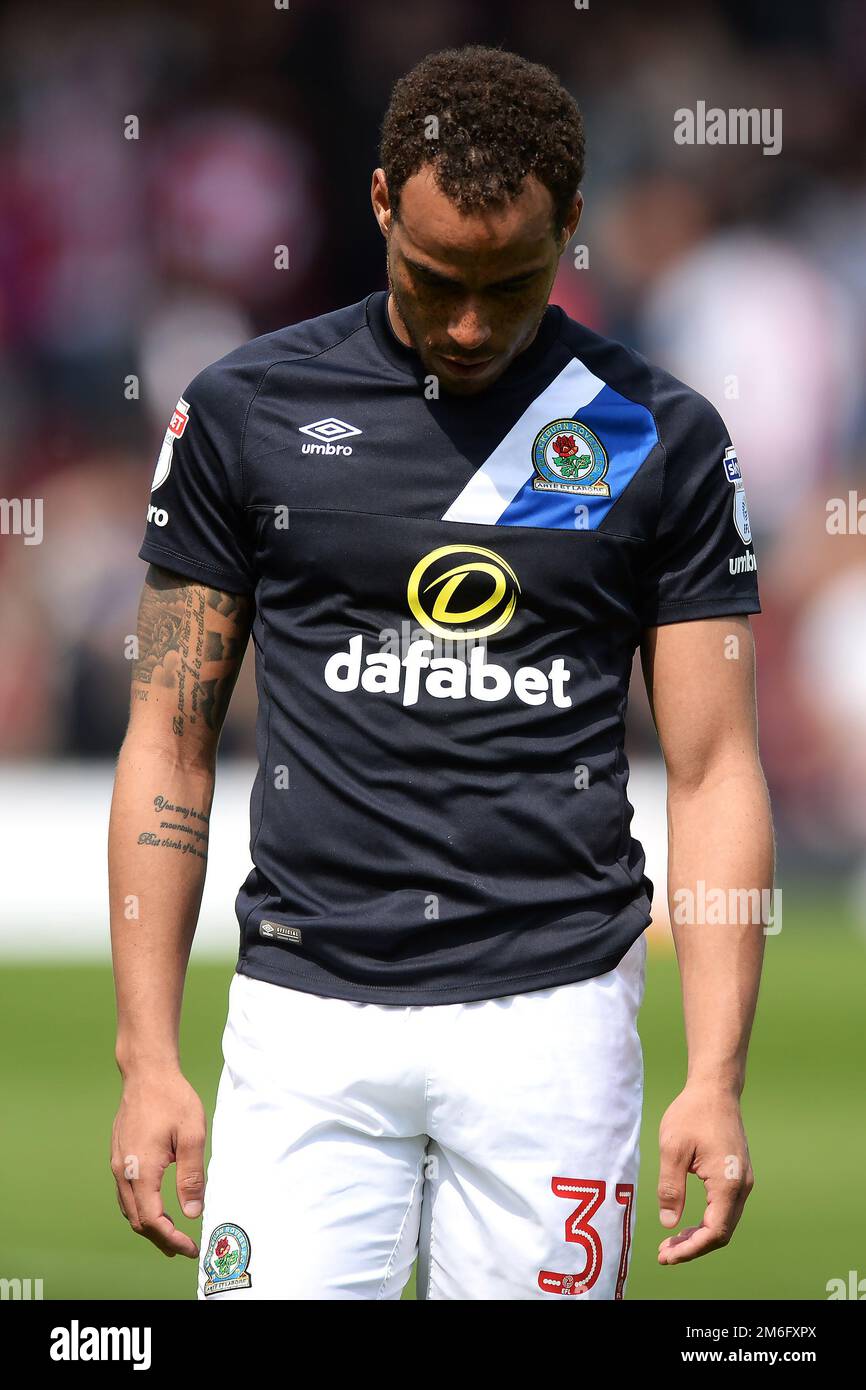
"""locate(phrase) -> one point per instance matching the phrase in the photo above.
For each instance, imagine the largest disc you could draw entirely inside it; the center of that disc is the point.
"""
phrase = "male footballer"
(449, 515)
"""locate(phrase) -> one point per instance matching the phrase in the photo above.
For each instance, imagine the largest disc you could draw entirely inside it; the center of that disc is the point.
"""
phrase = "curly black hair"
(498, 118)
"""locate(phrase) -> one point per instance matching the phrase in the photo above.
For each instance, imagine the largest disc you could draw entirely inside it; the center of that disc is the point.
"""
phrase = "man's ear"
(381, 202)
(571, 222)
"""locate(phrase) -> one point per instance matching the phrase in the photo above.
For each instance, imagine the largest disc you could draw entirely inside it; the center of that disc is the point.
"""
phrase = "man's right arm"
(191, 641)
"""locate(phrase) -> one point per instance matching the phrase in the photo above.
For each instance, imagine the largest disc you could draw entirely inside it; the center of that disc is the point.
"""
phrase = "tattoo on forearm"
(183, 828)
(191, 640)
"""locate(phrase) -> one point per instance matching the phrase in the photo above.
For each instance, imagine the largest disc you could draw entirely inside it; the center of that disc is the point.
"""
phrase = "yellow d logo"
(431, 589)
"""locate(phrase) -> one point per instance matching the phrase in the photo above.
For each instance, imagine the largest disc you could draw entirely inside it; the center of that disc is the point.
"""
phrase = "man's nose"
(469, 329)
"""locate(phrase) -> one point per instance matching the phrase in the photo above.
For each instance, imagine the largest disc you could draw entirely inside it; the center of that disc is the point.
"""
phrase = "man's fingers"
(723, 1211)
(156, 1224)
(685, 1245)
(674, 1161)
(161, 1231)
(125, 1194)
(190, 1171)
(741, 1195)
(126, 1201)
(690, 1243)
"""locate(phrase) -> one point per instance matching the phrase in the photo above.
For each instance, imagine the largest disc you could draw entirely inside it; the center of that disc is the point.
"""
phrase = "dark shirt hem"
(467, 991)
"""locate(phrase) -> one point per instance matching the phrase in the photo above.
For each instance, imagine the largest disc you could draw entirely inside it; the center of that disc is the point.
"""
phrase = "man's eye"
(430, 282)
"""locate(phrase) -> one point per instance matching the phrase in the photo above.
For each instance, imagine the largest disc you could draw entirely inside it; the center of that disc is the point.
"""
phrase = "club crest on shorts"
(568, 457)
(734, 474)
(225, 1264)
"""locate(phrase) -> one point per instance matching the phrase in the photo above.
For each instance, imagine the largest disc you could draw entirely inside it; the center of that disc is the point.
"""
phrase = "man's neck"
(397, 323)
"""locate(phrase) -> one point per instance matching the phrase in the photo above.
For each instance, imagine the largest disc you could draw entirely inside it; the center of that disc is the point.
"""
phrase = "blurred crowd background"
(127, 264)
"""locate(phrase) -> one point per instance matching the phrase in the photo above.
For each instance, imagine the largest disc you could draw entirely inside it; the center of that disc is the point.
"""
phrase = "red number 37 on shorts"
(589, 1194)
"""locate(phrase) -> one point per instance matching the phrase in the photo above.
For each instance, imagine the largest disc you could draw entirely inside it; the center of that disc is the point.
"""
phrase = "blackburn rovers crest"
(568, 457)
(225, 1263)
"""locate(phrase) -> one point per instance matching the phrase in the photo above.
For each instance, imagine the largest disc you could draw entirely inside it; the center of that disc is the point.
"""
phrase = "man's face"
(469, 292)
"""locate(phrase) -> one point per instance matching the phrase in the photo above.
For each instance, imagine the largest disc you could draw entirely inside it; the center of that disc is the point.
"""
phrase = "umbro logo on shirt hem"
(326, 432)
(743, 564)
(276, 931)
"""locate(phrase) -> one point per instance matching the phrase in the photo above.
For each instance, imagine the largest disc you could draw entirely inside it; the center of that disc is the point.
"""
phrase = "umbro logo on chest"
(326, 434)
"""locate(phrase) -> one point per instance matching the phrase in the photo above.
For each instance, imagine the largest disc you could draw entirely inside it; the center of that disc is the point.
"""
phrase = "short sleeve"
(196, 523)
(701, 562)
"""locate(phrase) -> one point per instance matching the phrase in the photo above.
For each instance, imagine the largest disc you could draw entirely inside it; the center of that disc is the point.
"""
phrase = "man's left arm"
(700, 677)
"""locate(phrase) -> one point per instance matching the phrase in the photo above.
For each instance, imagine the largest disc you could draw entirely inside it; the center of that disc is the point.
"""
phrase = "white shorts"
(496, 1140)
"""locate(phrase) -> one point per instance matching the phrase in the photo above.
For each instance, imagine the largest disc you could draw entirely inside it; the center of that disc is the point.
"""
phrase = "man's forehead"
(434, 231)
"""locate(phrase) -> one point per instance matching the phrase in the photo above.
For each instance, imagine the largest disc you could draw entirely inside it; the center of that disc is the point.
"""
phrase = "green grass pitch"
(803, 1106)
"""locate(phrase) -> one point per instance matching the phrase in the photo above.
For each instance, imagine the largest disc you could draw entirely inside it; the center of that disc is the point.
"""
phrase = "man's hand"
(702, 1132)
(160, 1121)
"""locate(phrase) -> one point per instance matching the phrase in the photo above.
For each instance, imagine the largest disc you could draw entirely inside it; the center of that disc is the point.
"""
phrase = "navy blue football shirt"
(448, 596)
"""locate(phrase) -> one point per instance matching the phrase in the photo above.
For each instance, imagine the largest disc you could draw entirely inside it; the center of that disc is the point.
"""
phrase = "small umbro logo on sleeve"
(275, 931)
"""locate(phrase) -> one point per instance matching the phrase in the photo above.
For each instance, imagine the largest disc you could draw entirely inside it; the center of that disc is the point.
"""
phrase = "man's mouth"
(466, 366)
